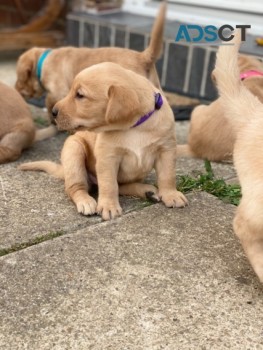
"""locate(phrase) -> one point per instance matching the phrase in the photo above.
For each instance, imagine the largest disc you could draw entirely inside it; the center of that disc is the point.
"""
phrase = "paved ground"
(153, 279)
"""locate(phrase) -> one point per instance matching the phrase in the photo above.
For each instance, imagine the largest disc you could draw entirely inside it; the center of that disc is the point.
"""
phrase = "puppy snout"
(54, 112)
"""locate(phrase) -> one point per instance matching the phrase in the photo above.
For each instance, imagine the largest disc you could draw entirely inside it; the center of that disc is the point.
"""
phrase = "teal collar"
(40, 63)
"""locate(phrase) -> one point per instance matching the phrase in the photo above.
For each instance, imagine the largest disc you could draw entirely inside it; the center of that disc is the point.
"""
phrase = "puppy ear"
(123, 104)
(27, 63)
(28, 72)
(25, 68)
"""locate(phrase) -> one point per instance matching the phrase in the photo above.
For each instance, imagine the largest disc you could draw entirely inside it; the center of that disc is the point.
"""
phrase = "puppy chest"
(136, 164)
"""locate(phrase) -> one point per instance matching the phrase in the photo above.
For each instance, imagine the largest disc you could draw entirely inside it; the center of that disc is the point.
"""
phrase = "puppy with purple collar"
(124, 128)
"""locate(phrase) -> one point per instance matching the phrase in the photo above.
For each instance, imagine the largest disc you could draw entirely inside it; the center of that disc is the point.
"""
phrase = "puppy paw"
(173, 199)
(152, 196)
(109, 210)
(151, 193)
(86, 205)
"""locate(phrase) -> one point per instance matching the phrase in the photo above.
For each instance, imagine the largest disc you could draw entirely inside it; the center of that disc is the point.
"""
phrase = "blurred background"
(183, 68)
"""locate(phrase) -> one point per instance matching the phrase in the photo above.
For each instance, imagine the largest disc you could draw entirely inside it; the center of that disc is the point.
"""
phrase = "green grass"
(208, 183)
(34, 241)
(41, 121)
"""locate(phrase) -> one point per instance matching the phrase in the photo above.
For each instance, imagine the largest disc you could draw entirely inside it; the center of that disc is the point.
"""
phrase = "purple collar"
(158, 100)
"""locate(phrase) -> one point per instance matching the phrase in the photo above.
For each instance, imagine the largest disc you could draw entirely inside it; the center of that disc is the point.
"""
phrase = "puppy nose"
(54, 112)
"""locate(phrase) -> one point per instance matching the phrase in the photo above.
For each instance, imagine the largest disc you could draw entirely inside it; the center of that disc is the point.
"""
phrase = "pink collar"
(250, 73)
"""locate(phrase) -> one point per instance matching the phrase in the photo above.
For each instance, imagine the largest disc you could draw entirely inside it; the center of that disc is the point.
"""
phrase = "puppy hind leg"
(12, 145)
(8, 154)
(250, 232)
(140, 190)
(73, 159)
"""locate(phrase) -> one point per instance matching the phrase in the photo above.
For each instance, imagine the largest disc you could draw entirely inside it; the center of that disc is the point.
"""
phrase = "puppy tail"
(239, 103)
(51, 168)
(42, 134)
(155, 48)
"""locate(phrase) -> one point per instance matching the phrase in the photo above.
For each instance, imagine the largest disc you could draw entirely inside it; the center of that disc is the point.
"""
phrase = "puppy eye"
(79, 95)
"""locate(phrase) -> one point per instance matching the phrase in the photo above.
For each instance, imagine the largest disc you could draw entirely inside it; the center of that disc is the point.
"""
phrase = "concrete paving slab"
(155, 279)
(33, 204)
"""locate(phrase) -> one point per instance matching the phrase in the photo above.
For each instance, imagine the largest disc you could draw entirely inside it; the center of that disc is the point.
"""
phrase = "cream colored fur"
(211, 135)
(105, 101)
(17, 130)
(245, 113)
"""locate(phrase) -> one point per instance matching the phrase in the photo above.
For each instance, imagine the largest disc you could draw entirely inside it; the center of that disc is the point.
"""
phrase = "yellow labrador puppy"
(245, 113)
(211, 134)
(17, 130)
(42, 69)
(124, 128)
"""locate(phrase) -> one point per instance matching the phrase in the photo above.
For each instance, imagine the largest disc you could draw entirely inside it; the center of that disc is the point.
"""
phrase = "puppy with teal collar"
(41, 70)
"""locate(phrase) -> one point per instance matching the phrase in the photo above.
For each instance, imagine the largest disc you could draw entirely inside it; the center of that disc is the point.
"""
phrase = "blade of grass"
(207, 182)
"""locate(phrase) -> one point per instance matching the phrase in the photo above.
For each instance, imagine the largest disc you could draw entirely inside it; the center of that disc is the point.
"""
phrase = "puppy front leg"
(165, 170)
(73, 159)
(108, 202)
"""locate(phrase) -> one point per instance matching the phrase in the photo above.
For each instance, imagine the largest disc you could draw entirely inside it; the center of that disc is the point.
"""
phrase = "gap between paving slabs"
(52, 235)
